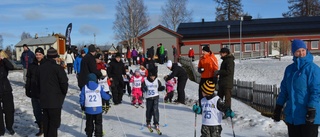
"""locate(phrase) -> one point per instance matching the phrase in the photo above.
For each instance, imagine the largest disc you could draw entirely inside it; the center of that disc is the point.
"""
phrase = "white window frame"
(245, 47)
(257, 46)
(235, 46)
(315, 44)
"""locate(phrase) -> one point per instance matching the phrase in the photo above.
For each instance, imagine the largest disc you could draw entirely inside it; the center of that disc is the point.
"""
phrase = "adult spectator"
(134, 55)
(69, 59)
(165, 55)
(88, 65)
(128, 56)
(6, 97)
(116, 72)
(150, 51)
(226, 74)
(150, 64)
(178, 71)
(175, 54)
(299, 93)
(26, 58)
(158, 53)
(207, 65)
(106, 57)
(33, 87)
(191, 54)
(162, 56)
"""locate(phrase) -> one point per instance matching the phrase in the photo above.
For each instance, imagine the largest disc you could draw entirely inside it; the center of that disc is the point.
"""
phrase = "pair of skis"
(137, 106)
(157, 129)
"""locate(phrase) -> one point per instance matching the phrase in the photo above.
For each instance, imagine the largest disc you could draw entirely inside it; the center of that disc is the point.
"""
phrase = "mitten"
(82, 108)
(200, 70)
(144, 89)
(229, 113)
(310, 115)
(196, 109)
(161, 88)
(277, 113)
(165, 77)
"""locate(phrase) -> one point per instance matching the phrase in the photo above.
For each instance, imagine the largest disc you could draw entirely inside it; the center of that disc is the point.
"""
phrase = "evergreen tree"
(228, 10)
(300, 8)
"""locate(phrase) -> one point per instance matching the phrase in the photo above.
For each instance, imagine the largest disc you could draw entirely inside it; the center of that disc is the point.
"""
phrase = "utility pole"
(94, 35)
(229, 34)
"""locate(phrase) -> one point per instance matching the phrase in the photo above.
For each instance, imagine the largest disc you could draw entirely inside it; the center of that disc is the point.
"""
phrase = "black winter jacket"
(226, 72)
(88, 65)
(116, 70)
(32, 84)
(5, 66)
(53, 84)
(177, 71)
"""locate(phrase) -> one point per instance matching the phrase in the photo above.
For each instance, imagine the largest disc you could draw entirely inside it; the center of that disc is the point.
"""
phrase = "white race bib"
(93, 97)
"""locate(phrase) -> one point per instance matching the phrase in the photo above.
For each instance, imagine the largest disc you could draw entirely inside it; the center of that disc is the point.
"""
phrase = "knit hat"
(208, 87)
(137, 71)
(225, 50)
(92, 77)
(39, 50)
(152, 72)
(297, 44)
(98, 56)
(92, 48)
(82, 52)
(206, 48)
(52, 53)
(169, 64)
(118, 55)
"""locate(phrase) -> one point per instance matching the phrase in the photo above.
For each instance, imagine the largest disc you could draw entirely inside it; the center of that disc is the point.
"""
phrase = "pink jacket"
(170, 84)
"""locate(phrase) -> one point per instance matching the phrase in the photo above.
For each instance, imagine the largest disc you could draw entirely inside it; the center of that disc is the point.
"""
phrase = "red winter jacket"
(191, 53)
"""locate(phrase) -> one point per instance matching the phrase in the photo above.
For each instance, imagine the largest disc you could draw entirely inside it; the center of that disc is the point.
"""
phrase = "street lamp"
(229, 34)
(241, 19)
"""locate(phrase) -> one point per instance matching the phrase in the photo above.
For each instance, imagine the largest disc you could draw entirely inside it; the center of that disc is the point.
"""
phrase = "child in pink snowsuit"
(170, 88)
(136, 81)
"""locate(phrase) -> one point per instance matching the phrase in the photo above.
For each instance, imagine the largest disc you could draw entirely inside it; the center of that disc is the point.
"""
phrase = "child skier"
(126, 82)
(213, 109)
(103, 81)
(151, 86)
(136, 81)
(90, 100)
(169, 89)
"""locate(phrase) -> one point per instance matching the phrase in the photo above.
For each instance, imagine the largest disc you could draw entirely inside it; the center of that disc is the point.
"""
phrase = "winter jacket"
(77, 64)
(150, 65)
(300, 90)
(191, 53)
(161, 50)
(177, 71)
(27, 55)
(68, 58)
(33, 84)
(150, 52)
(226, 72)
(210, 64)
(116, 70)
(53, 84)
(134, 53)
(170, 85)
(102, 94)
(5, 66)
(88, 65)
(158, 52)
(174, 51)
(128, 54)
(101, 66)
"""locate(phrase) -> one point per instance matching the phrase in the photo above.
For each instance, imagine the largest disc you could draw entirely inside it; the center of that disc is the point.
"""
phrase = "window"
(314, 44)
(225, 45)
(257, 46)
(248, 47)
(20, 49)
(236, 47)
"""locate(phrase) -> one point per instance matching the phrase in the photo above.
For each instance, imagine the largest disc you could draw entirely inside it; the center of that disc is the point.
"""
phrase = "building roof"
(160, 27)
(37, 41)
(107, 47)
(255, 27)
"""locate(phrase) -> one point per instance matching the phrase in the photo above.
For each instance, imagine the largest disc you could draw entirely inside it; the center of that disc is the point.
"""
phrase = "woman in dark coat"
(6, 97)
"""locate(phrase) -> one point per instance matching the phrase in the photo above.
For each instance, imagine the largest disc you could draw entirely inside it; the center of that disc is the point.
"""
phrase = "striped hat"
(208, 87)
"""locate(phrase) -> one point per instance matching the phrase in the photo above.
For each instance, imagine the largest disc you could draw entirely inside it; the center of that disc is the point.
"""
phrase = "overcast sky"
(97, 16)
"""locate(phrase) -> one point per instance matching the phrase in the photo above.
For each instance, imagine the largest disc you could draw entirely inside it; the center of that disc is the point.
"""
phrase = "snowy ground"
(179, 118)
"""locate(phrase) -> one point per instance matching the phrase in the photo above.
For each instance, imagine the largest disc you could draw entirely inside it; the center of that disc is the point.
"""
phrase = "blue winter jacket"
(30, 55)
(300, 90)
(91, 110)
(77, 64)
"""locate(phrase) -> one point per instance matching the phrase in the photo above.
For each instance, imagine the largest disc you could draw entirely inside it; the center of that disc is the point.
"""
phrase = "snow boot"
(11, 131)
(40, 133)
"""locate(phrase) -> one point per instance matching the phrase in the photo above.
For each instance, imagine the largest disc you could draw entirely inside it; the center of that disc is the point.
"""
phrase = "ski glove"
(162, 88)
(229, 113)
(200, 70)
(82, 108)
(310, 115)
(196, 109)
(277, 113)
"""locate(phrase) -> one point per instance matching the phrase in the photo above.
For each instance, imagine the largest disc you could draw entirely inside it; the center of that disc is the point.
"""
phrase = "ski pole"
(114, 108)
(234, 135)
(81, 121)
(143, 116)
(195, 123)
(165, 113)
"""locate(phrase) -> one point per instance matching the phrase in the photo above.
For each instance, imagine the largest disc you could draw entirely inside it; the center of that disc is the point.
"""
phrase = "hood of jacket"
(299, 62)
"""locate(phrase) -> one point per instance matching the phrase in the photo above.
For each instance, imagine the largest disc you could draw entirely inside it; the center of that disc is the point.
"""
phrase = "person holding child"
(212, 109)
(91, 102)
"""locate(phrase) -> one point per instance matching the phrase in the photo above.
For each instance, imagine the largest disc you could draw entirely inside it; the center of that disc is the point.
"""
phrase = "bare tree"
(300, 8)
(1, 42)
(174, 13)
(25, 35)
(131, 21)
(228, 10)
(8, 51)
(284, 45)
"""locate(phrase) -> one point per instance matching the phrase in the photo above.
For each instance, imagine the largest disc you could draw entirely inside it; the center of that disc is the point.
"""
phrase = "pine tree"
(228, 10)
(300, 8)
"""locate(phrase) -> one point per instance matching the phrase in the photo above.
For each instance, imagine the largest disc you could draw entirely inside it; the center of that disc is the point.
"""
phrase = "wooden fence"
(259, 96)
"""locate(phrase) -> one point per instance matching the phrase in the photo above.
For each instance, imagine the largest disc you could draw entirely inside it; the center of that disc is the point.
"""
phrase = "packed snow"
(175, 120)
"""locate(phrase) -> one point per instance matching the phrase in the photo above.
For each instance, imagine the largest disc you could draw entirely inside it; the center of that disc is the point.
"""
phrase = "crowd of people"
(46, 83)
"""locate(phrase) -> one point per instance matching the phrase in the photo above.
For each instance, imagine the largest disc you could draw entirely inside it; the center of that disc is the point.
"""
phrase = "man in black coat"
(88, 65)
(116, 72)
(6, 97)
(150, 64)
(53, 89)
(33, 88)
(150, 52)
(182, 75)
